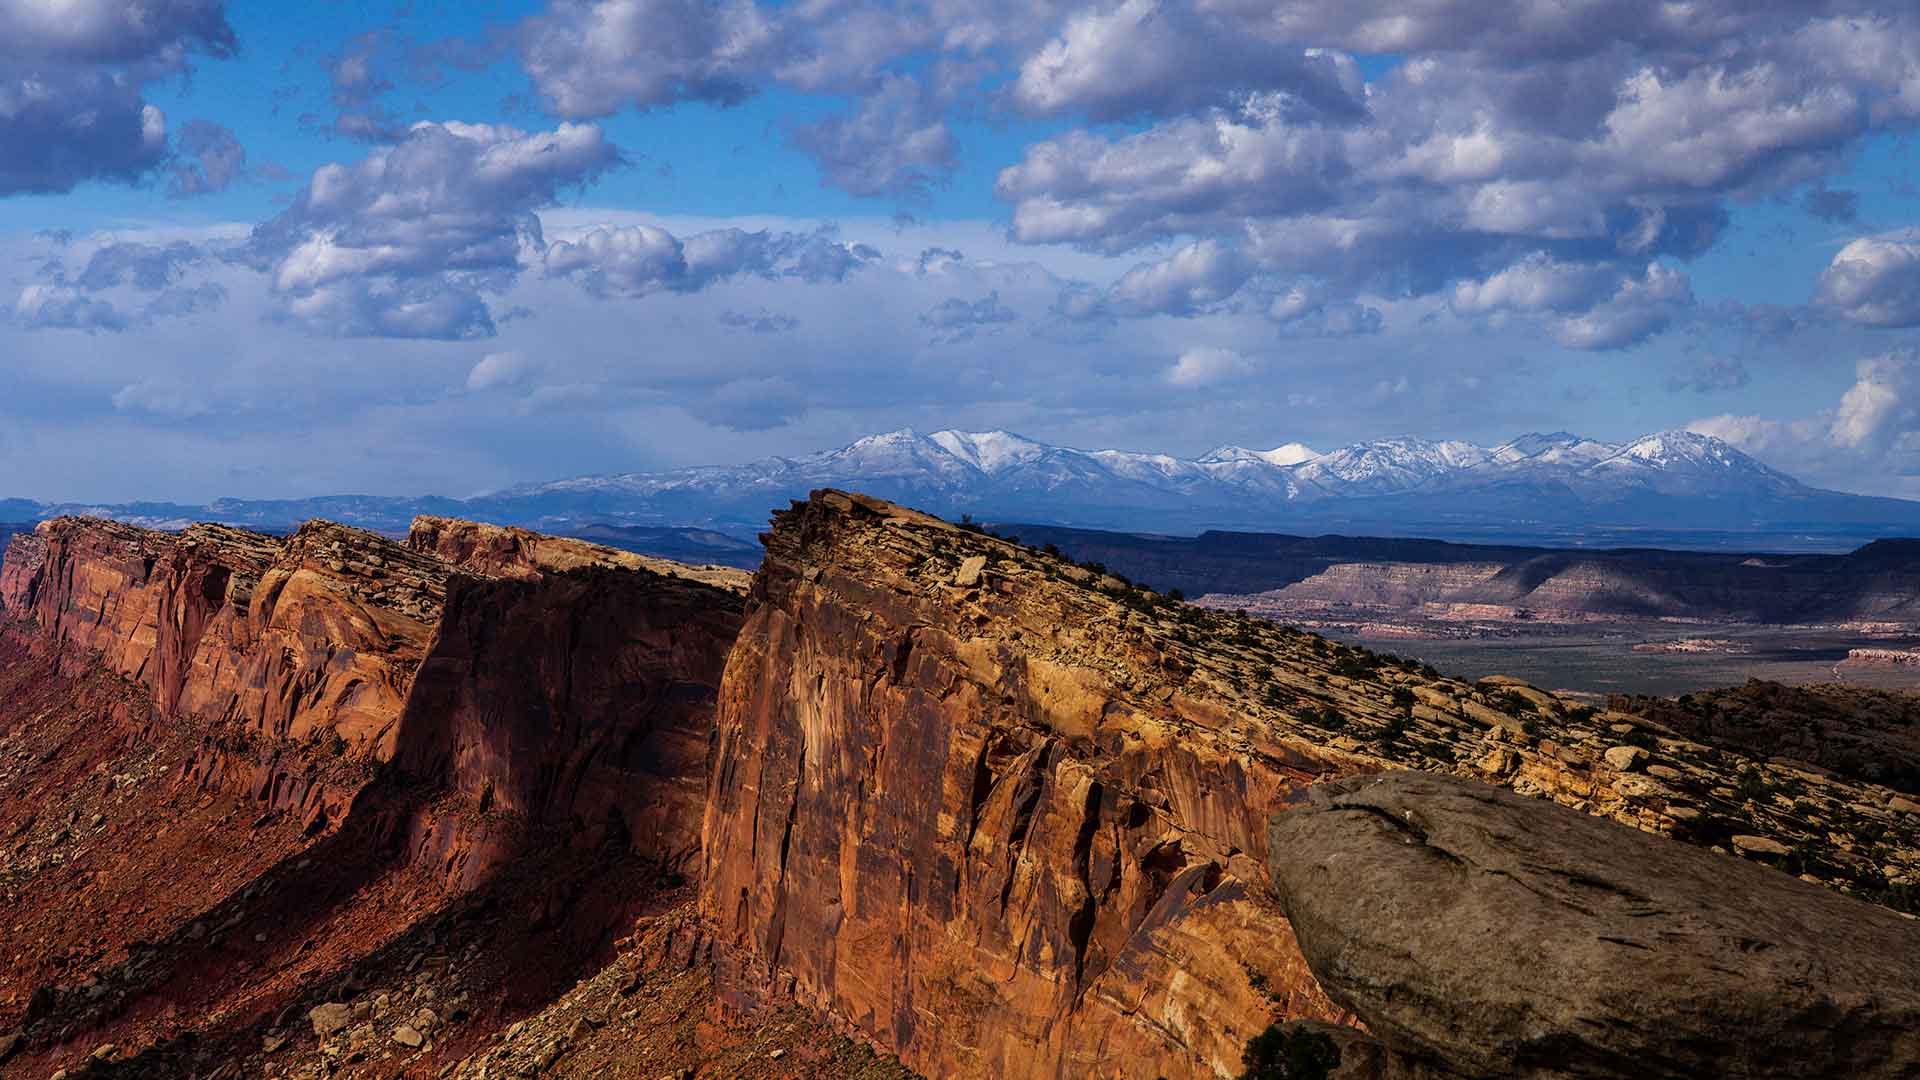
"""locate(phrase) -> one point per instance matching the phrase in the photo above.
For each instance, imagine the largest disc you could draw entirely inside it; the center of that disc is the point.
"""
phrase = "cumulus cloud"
(209, 159)
(1208, 365)
(404, 242)
(1637, 310)
(1520, 156)
(640, 260)
(1152, 57)
(1535, 283)
(106, 293)
(54, 306)
(1875, 280)
(1590, 306)
(592, 57)
(162, 397)
(144, 266)
(112, 31)
(1873, 431)
(955, 320)
(895, 144)
(72, 82)
(1879, 407)
(1193, 278)
(501, 369)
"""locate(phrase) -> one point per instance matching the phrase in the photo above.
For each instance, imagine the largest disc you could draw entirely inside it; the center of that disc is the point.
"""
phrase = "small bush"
(1289, 1053)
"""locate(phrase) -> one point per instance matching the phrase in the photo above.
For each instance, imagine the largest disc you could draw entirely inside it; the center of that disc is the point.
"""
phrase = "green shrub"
(1289, 1053)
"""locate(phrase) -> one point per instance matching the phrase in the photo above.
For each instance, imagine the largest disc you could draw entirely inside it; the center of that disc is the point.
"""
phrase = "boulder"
(330, 1018)
(1486, 934)
(1625, 758)
(970, 570)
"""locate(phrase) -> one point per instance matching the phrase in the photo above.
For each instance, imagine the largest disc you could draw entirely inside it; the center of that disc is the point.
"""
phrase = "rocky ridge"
(962, 801)
(242, 772)
(1041, 794)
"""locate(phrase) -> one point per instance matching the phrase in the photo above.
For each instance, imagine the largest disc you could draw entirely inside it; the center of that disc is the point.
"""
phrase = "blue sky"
(267, 250)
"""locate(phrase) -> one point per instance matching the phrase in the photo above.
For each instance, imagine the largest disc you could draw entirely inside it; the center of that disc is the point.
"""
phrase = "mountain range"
(1673, 488)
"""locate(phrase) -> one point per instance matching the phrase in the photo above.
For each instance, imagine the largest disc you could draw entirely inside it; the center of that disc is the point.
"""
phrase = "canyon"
(910, 799)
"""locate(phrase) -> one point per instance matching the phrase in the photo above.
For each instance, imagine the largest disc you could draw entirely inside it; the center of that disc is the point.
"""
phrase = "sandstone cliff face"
(1389, 586)
(314, 635)
(238, 770)
(1007, 816)
(983, 821)
(582, 699)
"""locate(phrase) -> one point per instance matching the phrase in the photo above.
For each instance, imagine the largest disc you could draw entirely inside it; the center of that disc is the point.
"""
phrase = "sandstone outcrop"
(1277, 572)
(1870, 735)
(504, 551)
(581, 699)
(1003, 814)
(1016, 827)
(984, 823)
(1496, 936)
(314, 635)
(235, 766)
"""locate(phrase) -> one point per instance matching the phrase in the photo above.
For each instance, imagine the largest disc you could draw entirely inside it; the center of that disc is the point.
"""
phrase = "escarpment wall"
(984, 823)
(1008, 816)
(582, 699)
(314, 635)
(563, 685)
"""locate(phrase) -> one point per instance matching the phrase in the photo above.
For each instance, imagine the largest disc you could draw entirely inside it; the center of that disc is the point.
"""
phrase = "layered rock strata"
(314, 635)
(234, 763)
(582, 700)
(1007, 816)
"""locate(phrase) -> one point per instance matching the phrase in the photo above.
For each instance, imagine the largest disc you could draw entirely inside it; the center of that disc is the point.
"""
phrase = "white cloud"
(404, 242)
(1207, 365)
(1875, 280)
(501, 369)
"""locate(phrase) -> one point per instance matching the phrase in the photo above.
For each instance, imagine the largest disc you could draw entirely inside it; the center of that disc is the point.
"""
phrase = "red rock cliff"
(1008, 817)
(316, 634)
(582, 699)
(978, 816)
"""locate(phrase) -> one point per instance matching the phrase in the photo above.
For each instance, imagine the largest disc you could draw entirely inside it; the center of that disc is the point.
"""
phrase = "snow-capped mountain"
(983, 467)
(1686, 463)
(1558, 450)
(1534, 485)
(1544, 487)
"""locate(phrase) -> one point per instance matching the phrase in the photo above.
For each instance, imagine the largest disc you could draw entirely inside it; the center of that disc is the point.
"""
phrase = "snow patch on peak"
(1290, 454)
(1556, 448)
(990, 451)
(1668, 447)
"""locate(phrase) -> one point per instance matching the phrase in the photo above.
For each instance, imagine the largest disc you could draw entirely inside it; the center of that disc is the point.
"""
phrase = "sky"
(270, 250)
